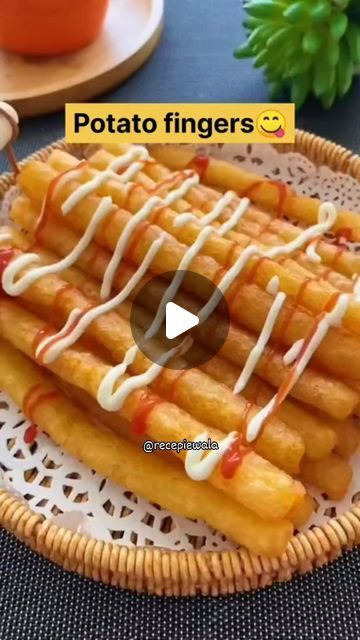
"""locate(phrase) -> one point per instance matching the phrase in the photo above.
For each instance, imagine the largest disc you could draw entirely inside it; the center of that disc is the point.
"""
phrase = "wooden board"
(41, 85)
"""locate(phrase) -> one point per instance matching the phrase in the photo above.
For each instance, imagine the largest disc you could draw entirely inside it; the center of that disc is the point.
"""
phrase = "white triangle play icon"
(178, 320)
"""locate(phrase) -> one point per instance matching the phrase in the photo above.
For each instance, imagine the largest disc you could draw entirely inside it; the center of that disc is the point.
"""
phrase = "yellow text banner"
(179, 123)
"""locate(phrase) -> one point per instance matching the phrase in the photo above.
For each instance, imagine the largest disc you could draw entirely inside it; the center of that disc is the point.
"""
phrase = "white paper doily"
(56, 485)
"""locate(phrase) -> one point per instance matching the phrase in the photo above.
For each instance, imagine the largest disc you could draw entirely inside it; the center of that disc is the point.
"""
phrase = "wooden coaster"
(41, 85)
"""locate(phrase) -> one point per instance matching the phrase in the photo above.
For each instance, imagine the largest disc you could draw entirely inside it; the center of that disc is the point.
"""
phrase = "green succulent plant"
(310, 47)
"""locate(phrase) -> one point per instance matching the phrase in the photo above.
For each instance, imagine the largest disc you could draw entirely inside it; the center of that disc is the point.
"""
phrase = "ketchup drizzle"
(36, 396)
(233, 458)
(280, 186)
(146, 404)
(200, 165)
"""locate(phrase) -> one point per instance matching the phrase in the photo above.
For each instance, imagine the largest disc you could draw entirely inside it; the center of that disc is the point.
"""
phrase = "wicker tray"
(167, 572)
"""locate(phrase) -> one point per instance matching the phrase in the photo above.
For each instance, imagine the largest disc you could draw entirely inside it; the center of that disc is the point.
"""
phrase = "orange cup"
(50, 27)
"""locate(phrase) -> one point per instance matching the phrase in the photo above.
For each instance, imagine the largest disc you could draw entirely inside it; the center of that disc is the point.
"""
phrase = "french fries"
(314, 388)
(35, 180)
(254, 481)
(146, 475)
(223, 175)
(292, 424)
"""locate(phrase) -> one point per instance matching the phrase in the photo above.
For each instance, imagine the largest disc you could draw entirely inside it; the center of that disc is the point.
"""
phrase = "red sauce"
(233, 458)
(219, 274)
(130, 193)
(6, 255)
(230, 258)
(46, 210)
(154, 218)
(200, 165)
(337, 256)
(44, 332)
(282, 190)
(345, 234)
(146, 405)
(170, 182)
(36, 396)
(254, 269)
(56, 305)
(71, 327)
(30, 434)
(138, 233)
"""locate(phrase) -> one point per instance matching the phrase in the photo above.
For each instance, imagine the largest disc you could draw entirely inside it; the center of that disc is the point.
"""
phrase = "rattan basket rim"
(167, 572)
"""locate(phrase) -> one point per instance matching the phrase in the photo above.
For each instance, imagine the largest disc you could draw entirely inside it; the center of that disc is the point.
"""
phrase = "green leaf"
(243, 51)
(300, 65)
(279, 38)
(324, 77)
(264, 8)
(320, 12)
(338, 25)
(300, 89)
(328, 98)
(297, 12)
(261, 59)
(312, 42)
(344, 72)
(251, 23)
(353, 40)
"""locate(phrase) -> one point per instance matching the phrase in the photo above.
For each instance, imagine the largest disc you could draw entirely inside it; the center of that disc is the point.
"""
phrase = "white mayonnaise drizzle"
(191, 253)
(311, 253)
(327, 218)
(112, 400)
(68, 336)
(356, 288)
(110, 173)
(200, 464)
(16, 288)
(264, 337)
(331, 319)
(136, 219)
(291, 355)
(273, 286)
(5, 237)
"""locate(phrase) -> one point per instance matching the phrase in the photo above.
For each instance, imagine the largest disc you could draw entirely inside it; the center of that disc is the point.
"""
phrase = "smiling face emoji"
(271, 124)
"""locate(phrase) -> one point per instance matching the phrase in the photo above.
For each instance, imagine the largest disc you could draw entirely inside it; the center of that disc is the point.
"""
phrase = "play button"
(168, 309)
(178, 320)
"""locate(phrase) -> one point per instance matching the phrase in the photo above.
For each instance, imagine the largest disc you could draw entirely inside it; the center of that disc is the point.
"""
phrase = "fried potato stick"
(315, 296)
(332, 475)
(256, 224)
(145, 474)
(256, 482)
(207, 400)
(314, 387)
(224, 175)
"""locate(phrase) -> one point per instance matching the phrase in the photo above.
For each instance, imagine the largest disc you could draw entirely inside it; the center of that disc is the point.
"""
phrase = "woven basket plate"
(167, 572)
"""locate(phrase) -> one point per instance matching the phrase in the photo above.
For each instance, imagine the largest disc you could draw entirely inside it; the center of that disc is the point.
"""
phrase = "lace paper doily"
(67, 492)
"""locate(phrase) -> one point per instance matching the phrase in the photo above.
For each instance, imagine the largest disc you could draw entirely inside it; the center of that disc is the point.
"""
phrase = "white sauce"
(110, 173)
(200, 464)
(15, 287)
(130, 227)
(264, 337)
(112, 400)
(311, 253)
(291, 355)
(65, 338)
(273, 286)
(331, 319)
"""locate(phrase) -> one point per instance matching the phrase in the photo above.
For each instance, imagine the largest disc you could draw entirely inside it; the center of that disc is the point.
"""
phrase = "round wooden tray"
(167, 572)
(41, 85)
